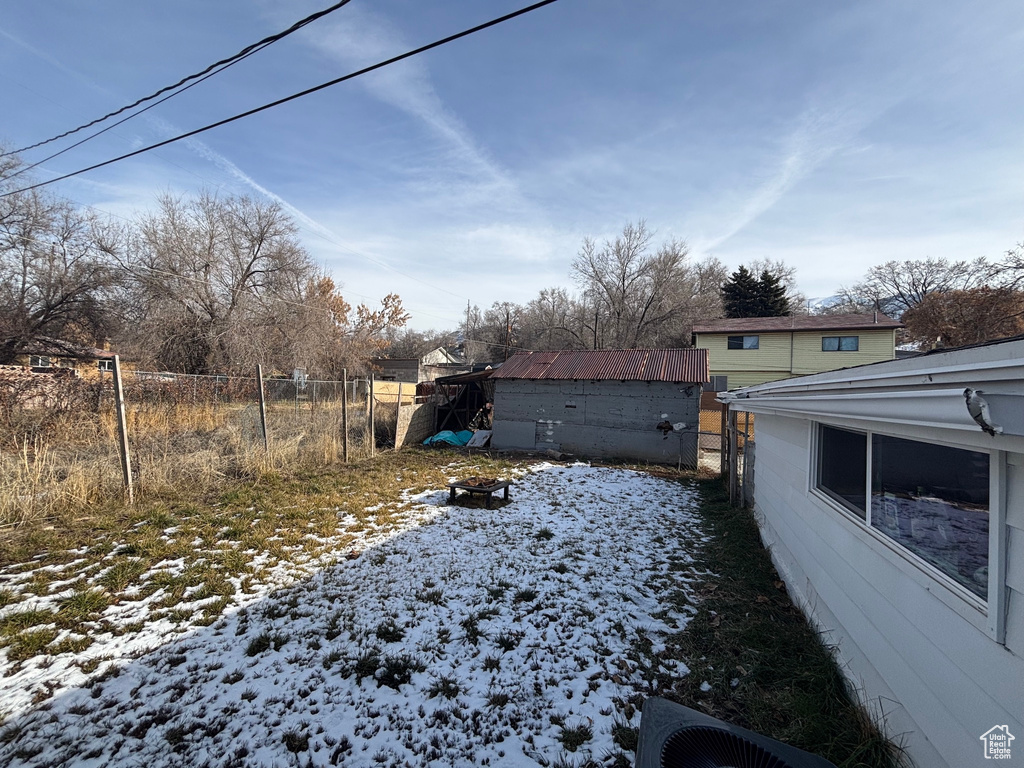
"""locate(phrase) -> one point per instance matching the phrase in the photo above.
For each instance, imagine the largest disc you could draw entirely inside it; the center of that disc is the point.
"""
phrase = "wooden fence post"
(723, 442)
(344, 413)
(373, 438)
(398, 416)
(733, 458)
(122, 431)
(263, 409)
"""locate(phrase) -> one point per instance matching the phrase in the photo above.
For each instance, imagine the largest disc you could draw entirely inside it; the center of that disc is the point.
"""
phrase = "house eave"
(923, 392)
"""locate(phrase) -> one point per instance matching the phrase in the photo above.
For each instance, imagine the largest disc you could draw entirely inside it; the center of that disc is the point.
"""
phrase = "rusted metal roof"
(676, 365)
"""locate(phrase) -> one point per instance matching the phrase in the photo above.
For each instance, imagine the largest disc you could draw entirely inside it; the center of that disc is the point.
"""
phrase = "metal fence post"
(344, 413)
(122, 431)
(263, 409)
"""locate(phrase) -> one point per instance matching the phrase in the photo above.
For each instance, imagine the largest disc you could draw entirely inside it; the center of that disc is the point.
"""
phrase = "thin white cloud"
(818, 135)
(362, 37)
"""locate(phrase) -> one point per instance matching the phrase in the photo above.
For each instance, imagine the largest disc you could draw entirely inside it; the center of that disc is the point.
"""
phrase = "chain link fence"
(59, 446)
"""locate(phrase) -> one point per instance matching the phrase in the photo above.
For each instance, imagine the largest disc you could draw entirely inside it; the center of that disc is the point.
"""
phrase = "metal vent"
(674, 736)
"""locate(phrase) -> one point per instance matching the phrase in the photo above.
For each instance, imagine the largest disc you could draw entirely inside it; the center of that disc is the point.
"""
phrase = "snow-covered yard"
(444, 635)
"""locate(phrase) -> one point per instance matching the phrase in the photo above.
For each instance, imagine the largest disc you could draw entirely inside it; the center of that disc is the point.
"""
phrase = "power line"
(300, 94)
(220, 66)
(110, 127)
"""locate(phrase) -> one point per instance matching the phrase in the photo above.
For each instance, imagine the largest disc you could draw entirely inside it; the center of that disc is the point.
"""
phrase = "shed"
(897, 523)
(641, 404)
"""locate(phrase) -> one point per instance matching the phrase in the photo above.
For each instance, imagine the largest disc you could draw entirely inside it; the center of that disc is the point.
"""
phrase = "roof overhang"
(926, 391)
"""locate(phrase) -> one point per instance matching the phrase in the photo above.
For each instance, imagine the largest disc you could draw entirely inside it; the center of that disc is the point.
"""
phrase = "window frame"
(839, 343)
(105, 365)
(743, 342)
(987, 614)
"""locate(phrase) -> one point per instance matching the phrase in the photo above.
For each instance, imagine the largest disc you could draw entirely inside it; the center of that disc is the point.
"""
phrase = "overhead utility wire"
(129, 117)
(249, 49)
(300, 94)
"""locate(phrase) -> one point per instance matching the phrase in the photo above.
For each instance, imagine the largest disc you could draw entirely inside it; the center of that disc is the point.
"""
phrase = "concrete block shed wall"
(415, 424)
(612, 419)
(927, 663)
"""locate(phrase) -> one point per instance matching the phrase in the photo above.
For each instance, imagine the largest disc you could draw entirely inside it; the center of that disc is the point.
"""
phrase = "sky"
(833, 136)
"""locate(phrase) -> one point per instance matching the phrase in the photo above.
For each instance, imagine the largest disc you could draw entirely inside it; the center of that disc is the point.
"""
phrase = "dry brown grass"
(227, 538)
(73, 462)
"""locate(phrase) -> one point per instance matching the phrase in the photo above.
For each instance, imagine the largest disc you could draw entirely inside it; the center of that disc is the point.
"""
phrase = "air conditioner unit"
(674, 736)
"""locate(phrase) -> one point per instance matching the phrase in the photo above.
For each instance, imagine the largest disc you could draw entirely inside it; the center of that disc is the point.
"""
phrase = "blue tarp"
(449, 437)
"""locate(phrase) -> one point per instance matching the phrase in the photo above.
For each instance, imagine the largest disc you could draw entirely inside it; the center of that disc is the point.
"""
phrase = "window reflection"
(934, 501)
(842, 467)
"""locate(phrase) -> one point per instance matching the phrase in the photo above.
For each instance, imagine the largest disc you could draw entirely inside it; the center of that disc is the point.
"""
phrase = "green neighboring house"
(755, 350)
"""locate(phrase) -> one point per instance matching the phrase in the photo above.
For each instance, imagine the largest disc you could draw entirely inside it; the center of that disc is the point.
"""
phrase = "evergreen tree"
(772, 295)
(741, 295)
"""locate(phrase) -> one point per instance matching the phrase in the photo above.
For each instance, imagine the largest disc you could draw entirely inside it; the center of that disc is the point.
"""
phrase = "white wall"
(920, 654)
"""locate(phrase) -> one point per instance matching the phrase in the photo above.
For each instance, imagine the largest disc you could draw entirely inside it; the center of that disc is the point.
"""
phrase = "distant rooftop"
(848, 322)
(675, 365)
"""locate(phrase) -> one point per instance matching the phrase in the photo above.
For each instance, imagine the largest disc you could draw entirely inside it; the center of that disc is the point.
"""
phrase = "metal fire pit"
(478, 485)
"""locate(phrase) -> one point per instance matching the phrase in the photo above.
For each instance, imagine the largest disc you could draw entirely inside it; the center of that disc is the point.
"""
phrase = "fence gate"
(738, 456)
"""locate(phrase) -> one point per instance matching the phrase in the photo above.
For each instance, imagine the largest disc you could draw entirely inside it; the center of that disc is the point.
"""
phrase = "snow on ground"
(461, 637)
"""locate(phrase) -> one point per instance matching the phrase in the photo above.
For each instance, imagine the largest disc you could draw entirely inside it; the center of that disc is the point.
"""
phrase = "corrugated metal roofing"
(677, 365)
(869, 320)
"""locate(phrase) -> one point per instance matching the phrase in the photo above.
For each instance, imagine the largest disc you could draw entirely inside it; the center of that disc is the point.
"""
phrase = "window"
(932, 500)
(39, 361)
(842, 467)
(840, 343)
(105, 365)
(744, 342)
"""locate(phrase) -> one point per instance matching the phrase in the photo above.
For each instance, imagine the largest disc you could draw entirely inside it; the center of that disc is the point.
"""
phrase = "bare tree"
(502, 329)
(954, 318)
(786, 275)
(896, 286)
(1009, 272)
(213, 279)
(631, 288)
(330, 336)
(408, 343)
(554, 320)
(56, 276)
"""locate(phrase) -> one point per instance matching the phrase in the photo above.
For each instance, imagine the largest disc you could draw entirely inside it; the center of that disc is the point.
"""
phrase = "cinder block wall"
(597, 418)
(415, 424)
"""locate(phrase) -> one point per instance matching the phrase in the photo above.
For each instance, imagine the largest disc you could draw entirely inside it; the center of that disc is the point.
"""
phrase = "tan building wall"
(874, 346)
(782, 354)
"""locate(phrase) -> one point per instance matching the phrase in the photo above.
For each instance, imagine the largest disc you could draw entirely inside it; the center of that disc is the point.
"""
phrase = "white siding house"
(897, 524)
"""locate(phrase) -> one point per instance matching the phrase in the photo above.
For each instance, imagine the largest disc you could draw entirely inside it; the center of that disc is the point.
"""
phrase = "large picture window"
(744, 342)
(931, 499)
(840, 343)
(934, 501)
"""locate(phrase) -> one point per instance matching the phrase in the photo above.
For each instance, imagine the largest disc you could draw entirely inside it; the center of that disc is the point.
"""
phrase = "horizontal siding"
(875, 346)
(772, 354)
(888, 626)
